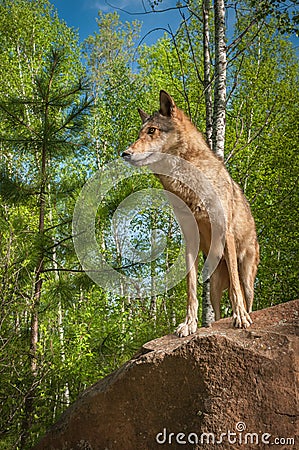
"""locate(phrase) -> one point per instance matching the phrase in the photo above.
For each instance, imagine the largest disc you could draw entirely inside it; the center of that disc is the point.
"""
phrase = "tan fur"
(170, 131)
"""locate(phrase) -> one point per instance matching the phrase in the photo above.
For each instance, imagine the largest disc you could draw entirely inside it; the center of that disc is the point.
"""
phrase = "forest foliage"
(68, 109)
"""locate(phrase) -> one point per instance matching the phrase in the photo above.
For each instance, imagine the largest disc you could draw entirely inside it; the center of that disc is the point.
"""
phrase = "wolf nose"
(125, 153)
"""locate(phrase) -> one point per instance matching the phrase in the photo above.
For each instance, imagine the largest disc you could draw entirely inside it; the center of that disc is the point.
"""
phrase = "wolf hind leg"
(247, 271)
(241, 318)
(219, 282)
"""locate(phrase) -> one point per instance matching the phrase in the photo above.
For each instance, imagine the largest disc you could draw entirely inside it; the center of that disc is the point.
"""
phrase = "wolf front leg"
(189, 326)
(241, 318)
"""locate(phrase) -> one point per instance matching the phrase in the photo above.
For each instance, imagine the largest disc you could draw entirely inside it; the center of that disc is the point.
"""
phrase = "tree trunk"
(29, 399)
(208, 315)
(153, 302)
(207, 309)
(206, 6)
(220, 79)
(65, 396)
(30, 396)
(215, 116)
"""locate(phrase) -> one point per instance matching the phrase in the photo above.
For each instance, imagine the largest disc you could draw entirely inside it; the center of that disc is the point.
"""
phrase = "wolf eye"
(151, 130)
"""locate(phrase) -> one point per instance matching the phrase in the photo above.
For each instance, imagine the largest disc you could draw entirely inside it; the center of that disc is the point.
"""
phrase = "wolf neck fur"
(191, 143)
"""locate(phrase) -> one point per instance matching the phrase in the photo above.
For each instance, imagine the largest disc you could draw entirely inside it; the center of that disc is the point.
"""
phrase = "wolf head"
(160, 133)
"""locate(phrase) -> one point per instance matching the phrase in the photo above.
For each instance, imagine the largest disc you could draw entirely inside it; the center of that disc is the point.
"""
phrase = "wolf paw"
(186, 328)
(241, 319)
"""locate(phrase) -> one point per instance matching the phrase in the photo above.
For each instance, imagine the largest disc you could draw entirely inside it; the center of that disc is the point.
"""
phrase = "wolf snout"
(126, 154)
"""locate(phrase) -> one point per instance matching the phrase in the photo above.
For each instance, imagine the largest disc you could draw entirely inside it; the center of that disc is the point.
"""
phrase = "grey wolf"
(169, 131)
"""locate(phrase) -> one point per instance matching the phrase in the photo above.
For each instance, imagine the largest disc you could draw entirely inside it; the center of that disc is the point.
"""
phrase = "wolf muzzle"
(126, 155)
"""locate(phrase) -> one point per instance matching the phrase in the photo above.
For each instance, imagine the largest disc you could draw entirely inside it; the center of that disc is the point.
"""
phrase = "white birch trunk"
(66, 394)
(220, 79)
(215, 117)
(206, 6)
(207, 310)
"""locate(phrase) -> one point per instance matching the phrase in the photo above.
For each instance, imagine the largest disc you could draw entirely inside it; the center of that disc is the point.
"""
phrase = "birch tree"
(206, 9)
(219, 113)
(215, 111)
(207, 316)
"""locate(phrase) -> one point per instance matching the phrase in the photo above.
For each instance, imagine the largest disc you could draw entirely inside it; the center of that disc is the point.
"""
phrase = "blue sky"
(81, 14)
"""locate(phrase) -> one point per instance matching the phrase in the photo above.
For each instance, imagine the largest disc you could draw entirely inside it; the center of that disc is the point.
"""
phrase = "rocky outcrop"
(221, 388)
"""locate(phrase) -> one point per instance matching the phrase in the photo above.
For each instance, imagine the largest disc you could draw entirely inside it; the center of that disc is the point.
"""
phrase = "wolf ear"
(167, 105)
(144, 116)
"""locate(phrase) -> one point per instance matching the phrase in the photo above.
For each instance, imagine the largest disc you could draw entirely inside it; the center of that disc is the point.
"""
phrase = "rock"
(221, 388)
